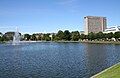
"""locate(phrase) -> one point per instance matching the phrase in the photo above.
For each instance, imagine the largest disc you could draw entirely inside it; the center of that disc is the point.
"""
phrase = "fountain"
(16, 38)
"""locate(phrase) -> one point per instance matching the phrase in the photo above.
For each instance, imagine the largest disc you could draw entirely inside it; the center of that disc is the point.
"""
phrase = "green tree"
(117, 35)
(9, 36)
(39, 37)
(99, 35)
(0, 33)
(27, 37)
(59, 35)
(82, 36)
(75, 36)
(5, 38)
(91, 36)
(105, 36)
(33, 37)
(110, 35)
(0, 36)
(53, 37)
(46, 37)
(67, 35)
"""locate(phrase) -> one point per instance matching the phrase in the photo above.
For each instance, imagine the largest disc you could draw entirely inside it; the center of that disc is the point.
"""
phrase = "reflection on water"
(101, 56)
(56, 60)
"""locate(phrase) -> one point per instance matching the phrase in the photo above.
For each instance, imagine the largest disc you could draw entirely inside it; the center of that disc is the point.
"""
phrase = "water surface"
(56, 60)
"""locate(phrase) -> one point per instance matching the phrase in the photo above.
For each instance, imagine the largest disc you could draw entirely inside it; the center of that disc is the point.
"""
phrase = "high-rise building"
(95, 24)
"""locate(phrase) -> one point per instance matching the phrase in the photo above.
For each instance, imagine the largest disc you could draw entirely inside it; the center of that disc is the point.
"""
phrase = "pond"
(56, 60)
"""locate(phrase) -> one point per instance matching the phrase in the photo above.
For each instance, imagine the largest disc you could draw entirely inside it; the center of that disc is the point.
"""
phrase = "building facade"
(95, 24)
(81, 32)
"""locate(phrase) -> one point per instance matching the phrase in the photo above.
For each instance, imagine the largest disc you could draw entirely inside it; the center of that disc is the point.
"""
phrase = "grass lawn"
(112, 72)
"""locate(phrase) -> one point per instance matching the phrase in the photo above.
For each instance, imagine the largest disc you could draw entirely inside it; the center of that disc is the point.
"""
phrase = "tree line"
(63, 36)
(103, 36)
(59, 36)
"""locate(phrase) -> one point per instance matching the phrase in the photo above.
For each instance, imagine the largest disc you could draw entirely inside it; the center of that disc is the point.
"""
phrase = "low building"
(112, 29)
(82, 32)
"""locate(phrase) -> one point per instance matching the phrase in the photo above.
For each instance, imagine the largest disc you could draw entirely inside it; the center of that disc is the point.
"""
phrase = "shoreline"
(101, 42)
(90, 42)
(51, 41)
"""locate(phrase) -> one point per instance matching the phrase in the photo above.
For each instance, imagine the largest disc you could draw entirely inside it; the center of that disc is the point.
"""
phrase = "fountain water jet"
(16, 38)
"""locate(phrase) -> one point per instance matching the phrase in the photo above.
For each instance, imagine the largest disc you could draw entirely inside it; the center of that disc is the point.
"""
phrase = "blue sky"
(52, 15)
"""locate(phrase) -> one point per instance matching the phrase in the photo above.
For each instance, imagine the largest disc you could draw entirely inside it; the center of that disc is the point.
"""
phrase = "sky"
(36, 16)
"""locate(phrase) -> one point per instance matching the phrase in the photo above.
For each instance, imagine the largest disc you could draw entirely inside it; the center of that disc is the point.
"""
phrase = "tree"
(110, 35)
(67, 35)
(0, 33)
(75, 36)
(0, 36)
(82, 36)
(54, 37)
(99, 35)
(4, 38)
(91, 36)
(39, 37)
(46, 37)
(27, 37)
(59, 35)
(117, 35)
(33, 37)
(105, 36)
(9, 36)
